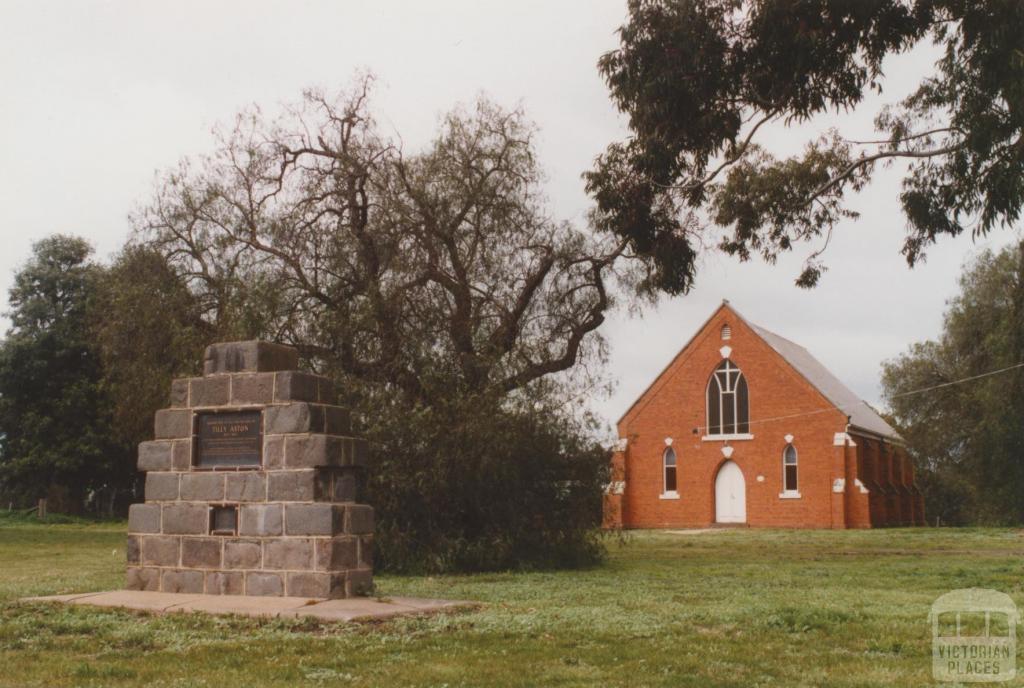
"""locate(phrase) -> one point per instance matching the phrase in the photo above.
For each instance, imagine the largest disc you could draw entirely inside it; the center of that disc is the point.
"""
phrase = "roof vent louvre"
(726, 332)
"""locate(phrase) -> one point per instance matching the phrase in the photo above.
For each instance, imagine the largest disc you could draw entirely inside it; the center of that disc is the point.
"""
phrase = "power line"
(956, 382)
(901, 394)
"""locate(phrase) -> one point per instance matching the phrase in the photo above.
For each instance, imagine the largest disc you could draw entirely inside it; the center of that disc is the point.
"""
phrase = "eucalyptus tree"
(701, 80)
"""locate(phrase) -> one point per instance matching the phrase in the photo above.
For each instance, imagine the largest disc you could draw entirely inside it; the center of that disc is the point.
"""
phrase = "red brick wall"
(674, 406)
(858, 496)
(875, 479)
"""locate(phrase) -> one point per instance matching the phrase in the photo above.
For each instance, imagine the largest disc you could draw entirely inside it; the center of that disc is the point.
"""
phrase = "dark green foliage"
(968, 438)
(54, 415)
(478, 485)
(88, 361)
(148, 329)
(699, 79)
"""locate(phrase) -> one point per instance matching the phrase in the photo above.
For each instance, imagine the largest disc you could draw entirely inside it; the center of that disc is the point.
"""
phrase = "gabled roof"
(846, 400)
(861, 415)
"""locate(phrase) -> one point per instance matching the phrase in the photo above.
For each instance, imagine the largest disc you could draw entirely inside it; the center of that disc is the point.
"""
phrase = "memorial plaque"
(229, 439)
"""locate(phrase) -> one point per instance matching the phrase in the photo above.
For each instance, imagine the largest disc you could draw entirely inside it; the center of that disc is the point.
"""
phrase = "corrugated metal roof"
(861, 414)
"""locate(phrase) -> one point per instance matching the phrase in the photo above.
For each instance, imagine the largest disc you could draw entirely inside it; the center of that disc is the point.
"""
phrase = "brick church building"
(746, 427)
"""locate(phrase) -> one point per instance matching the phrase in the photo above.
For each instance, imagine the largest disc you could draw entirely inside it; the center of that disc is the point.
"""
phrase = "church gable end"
(745, 436)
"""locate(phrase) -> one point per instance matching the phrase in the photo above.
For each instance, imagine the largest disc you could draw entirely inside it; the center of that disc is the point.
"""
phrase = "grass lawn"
(727, 608)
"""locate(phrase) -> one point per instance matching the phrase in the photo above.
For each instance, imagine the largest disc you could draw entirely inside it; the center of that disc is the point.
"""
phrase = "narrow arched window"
(727, 401)
(789, 469)
(669, 463)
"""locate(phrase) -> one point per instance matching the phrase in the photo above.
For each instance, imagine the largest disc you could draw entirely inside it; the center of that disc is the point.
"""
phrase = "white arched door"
(730, 495)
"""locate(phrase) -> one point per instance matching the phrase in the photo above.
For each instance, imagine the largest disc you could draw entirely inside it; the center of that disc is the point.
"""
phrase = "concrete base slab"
(246, 605)
(352, 609)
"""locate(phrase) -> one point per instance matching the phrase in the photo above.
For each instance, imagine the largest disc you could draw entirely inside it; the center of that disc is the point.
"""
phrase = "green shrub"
(484, 486)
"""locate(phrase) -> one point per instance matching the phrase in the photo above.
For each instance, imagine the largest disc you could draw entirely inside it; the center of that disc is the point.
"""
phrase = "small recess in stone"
(224, 520)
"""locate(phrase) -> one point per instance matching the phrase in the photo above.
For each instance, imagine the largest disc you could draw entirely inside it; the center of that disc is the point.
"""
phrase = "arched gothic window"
(727, 401)
(669, 462)
(789, 469)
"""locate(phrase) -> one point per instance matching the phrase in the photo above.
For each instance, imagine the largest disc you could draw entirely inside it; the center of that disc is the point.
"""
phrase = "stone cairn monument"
(252, 485)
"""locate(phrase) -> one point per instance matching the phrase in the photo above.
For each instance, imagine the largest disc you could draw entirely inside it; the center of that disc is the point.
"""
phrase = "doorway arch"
(730, 494)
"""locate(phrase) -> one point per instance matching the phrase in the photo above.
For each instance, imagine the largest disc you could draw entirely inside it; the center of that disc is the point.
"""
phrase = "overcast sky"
(95, 97)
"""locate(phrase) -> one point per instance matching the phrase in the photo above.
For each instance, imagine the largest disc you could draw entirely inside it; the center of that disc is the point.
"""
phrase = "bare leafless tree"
(414, 270)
